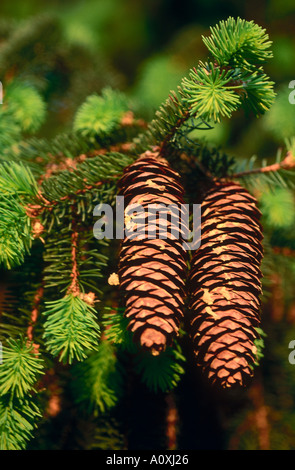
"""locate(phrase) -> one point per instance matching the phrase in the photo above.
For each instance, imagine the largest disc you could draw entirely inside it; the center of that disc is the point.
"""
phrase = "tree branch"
(287, 164)
(74, 287)
(34, 316)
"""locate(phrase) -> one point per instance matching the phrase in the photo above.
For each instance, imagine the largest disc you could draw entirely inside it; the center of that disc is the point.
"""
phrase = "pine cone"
(152, 271)
(225, 285)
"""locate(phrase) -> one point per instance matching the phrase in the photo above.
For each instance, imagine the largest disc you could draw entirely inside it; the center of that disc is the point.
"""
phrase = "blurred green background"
(69, 49)
(143, 48)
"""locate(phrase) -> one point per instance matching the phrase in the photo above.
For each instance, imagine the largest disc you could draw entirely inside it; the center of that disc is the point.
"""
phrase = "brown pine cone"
(225, 285)
(152, 271)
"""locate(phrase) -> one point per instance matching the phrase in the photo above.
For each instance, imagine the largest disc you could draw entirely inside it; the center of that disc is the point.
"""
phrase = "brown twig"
(284, 251)
(193, 162)
(35, 210)
(287, 164)
(128, 119)
(34, 316)
(70, 164)
(171, 422)
(49, 383)
(277, 307)
(261, 415)
(74, 287)
(256, 420)
(164, 144)
(243, 427)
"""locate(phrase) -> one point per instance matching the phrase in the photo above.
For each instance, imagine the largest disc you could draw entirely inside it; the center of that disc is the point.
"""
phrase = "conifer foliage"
(64, 314)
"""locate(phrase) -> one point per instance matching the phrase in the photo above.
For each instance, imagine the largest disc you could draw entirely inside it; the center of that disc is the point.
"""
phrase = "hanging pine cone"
(225, 285)
(152, 270)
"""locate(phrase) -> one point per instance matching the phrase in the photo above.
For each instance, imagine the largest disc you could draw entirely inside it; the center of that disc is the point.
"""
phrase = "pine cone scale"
(152, 270)
(225, 285)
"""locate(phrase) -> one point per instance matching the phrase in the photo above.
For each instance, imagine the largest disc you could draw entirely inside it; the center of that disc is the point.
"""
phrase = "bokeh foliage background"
(69, 49)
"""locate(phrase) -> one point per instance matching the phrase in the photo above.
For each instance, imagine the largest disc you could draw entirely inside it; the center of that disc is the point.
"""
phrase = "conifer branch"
(74, 287)
(163, 372)
(71, 330)
(284, 251)
(34, 316)
(99, 380)
(172, 422)
(217, 88)
(238, 42)
(96, 173)
(261, 415)
(164, 144)
(288, 163)
(18, 410)
(48, 189)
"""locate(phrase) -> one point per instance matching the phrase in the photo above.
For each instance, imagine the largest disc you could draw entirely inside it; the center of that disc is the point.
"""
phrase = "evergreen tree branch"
(162, 372)
(96, 173)
(49, 189)
(74, 287)
(216, 88)
(17, 422)
(99, 380)
(237, 42)
(18, 410)
(288, 163)
(71, 329)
